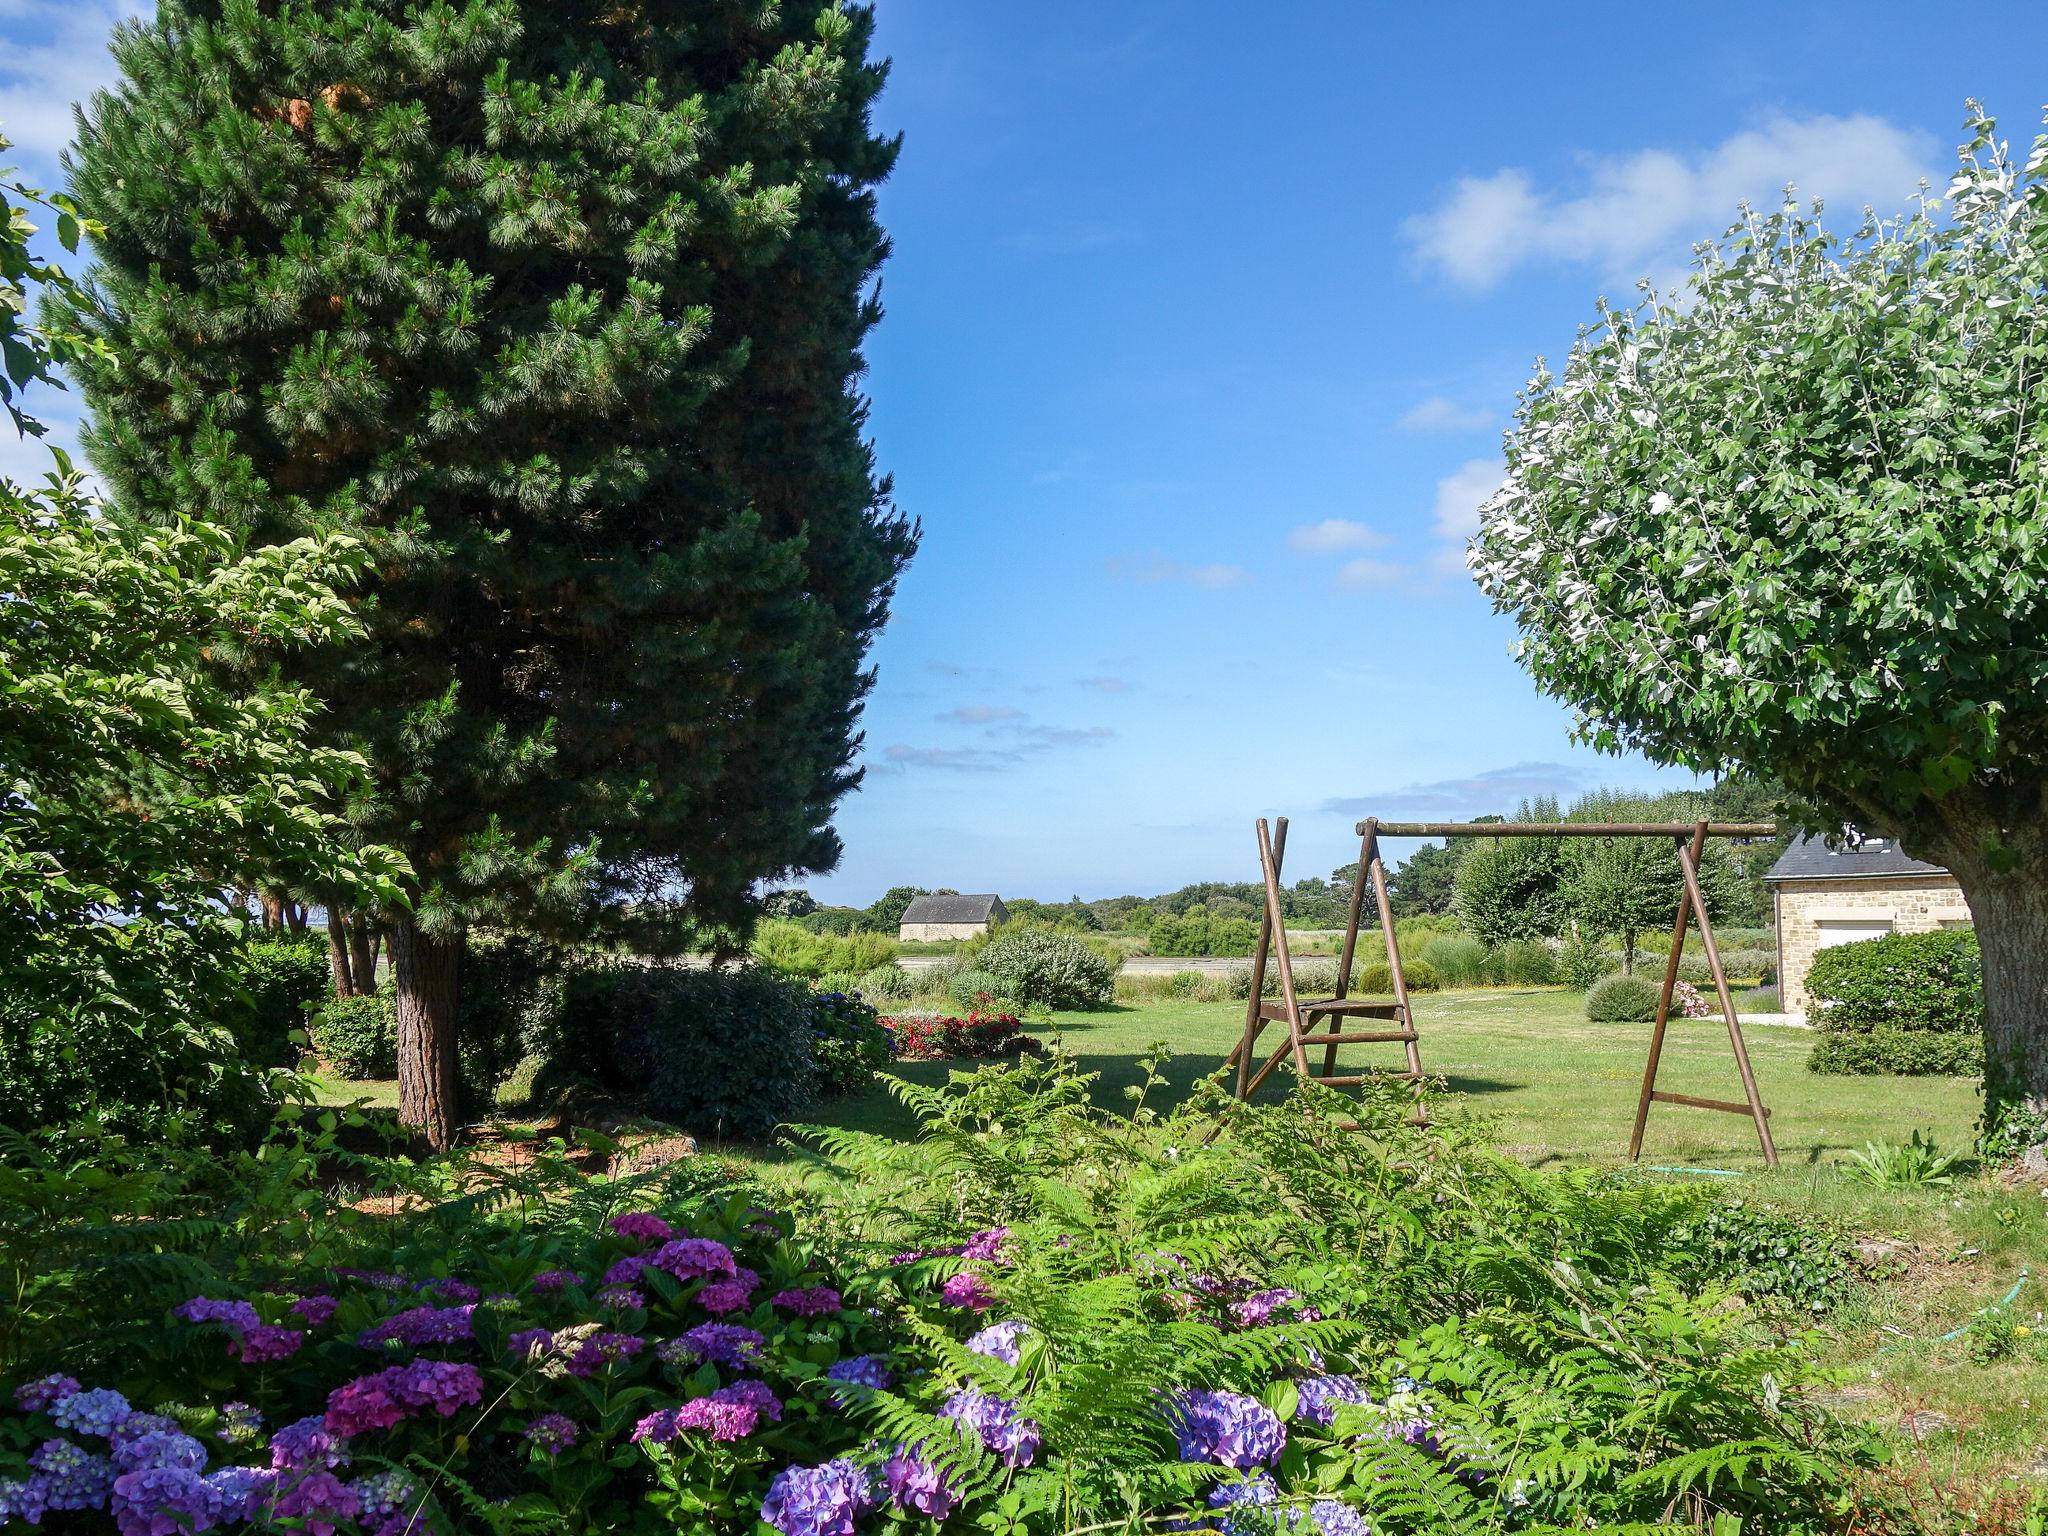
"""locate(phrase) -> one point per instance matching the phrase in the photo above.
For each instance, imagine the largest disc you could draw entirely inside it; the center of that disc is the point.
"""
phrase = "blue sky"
(1201, 335)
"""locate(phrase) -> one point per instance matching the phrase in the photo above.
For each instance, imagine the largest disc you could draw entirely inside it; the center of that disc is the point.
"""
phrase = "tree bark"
(427, 969)
(1995, 842)
(337, 953)
(362, 953)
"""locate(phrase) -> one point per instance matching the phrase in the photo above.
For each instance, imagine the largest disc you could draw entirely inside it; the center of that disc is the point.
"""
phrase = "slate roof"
(1810, 858)
(952, 909)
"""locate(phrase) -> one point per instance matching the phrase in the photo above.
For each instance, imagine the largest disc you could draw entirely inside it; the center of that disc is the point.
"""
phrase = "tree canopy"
(1792, 519)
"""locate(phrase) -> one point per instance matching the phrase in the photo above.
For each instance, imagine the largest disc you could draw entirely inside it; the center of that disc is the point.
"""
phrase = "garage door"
(1835, 931)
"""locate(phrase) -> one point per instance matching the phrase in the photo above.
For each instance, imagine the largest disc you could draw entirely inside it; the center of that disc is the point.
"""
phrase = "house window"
(1835, 931)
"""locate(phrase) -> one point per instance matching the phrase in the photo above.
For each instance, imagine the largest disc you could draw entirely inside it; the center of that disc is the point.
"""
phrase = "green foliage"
(850, 1047)
(889, 983)
(512, 1004)
(358, 1036)
(1580, 962)
(1511, 888)
(1916, 1163)
(886, 914)
(795, 950)
(1378, 980)
(728, 1053)
(789, 903)
(1197, 932)
(973, 988)
(1887, 1052)
(1055, 970)
(1622, 1000)
(1459, 961)
(1766, 1255)
(1907, 1004)
(284, 977)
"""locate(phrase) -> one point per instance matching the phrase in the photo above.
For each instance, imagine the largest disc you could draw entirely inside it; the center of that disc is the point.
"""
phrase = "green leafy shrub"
(851, 1045)
(862, 952)
(718, 1052)
(1622, 1000)
(1765, 1254)
(1892, 1165)
(358, 1036)
(1378, 980)
(1458, 961)
(1525, 963)
(794, 950)
(889, 983)
(510, 1006)
(967, 987)
(285, 976)
(1908, 1004)
(1749, 964)
(1055, 970)
(1580, 962)
(1197, 933)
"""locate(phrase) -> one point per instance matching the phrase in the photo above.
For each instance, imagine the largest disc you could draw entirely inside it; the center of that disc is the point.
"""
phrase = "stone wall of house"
(919, 933)
(1910, 903)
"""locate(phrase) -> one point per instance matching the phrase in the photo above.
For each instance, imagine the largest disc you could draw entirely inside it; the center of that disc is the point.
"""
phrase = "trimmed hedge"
(1378, 980)
(285, 976)
(1907, 1005)
(1622, 1000)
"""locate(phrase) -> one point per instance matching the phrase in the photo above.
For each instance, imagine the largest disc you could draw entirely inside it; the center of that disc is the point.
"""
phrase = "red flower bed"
(980, 1035)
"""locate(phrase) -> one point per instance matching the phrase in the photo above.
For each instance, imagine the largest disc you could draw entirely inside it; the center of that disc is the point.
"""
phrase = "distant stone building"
(1824, 896)
(950, 917)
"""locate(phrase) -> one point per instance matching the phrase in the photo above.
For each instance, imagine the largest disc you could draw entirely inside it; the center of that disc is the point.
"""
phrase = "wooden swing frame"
(1303, 1017)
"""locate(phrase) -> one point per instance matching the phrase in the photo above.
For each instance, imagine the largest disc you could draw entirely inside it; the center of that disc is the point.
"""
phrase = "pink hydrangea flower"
(642, 1226)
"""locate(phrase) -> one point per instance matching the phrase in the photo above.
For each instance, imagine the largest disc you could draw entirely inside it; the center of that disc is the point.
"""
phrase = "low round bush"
(862, 952)
(1622, 1000)
(969, 987)
(358, 1036)
(1378, 980)
(1055, 970)
(1908, 1004)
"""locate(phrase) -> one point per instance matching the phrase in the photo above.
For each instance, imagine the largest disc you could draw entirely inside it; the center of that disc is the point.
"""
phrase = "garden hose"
(2010, 1297)
(1719, 1173)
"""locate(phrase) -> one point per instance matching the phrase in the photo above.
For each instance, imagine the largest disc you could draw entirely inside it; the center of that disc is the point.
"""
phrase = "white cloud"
(56, 55)
(1365, 575)
(1437, 414)
(1490, 792)
(1645, 208)
(1455, 517)
(1107, 684)
(981, 714)
(1334, 535)
(1152, 573)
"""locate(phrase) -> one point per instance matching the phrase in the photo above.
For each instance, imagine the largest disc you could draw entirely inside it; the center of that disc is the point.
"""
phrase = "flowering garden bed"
(1038, 1318)
(983, 1034)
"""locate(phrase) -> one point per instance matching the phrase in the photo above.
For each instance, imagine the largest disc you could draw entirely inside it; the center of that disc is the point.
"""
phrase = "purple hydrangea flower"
(552, 1433)
(694, 1258)
(441, 1385)
(160, 1448)
(603, 1349)
(1320, 1395)
(231, 1314)
(320, 1500)
(818, 1501)
(917, 1486)
(997, 1422)
(421, 1326)
(71, 1477)
(1228, 1428)
(381, 1400)
(557, 1280)
(35, 1396)
(266, 1342)
(986, 1246)
(622, 1298)
(314, 1311)
(719, 1343)
(164, 1501)
(755, 1395)
(529, 1343)
(376, 1279)
(626, 1271)
(642, 1226)
(457, 1293)
(999, 1341)
(1337, 1519)
(860, 1371)
(382, 1494)
(239, 1423)
(23, 1501)
(241, 1490)
(98, 1412)
(307, 1443)
(966, 1290)
(808, 1300)
(1257, 1309)
(732, 1295)
(1259, 1491)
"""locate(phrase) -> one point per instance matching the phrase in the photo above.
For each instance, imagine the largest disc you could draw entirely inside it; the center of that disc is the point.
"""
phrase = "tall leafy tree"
(1793, 519)
(558, 304)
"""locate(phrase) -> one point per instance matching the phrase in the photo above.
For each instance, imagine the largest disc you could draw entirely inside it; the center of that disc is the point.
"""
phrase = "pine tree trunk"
(337, 954)
(2008, 895)
(362, 953)
(426, 969)
(273, 911)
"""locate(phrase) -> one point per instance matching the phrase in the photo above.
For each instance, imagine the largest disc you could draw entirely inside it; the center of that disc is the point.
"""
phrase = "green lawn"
(1555, 1087)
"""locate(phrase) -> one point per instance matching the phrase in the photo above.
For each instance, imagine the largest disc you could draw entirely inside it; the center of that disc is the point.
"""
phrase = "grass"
(1554, 1089)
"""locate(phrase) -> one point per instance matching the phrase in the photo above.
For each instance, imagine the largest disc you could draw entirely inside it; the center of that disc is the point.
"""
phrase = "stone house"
(1864, 889)
(950, 917)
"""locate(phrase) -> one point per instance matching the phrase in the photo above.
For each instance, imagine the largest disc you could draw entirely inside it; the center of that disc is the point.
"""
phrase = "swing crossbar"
(1568, 828)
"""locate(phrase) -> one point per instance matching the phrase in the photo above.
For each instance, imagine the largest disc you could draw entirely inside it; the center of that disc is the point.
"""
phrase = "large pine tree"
(560, 304)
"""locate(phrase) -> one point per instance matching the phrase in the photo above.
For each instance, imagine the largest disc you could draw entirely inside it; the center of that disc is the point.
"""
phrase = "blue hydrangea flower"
(70, 1477)
(164, 1501)
(98, 1412)
(386, 1493)
(240, 1489)
(1259, 1491)
(1320, 1395)
(1335, 1519)
(818, 1501)
(999, 1341)
(159, 1448)
(1228, 1428)
(859, 1371)
(996, 1420)
(22, 1501)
